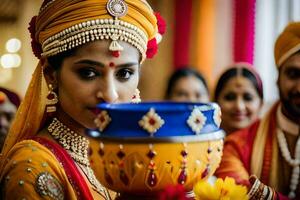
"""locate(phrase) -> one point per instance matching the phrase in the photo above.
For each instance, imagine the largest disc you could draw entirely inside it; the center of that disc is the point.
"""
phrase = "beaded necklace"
(292, 162)
(77, 147)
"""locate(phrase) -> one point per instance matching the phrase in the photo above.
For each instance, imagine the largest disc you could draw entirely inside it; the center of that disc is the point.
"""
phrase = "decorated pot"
(147, 146)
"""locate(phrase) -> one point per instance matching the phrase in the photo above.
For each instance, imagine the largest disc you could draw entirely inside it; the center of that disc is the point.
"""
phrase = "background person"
(270, 147)
(186, 84)
(239, 93)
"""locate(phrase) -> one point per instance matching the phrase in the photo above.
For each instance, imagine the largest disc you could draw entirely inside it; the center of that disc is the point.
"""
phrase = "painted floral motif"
(152, 178)
(196, 120)
(102, 120)
(151, 122)
(217, 115)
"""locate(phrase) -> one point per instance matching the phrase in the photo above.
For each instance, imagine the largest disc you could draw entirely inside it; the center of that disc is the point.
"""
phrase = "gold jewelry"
(52, 99)
(259, 191)
(77, 146)
(99, 29)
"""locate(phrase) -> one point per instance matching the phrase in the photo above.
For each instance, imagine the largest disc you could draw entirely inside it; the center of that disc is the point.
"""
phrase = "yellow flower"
(222, 190)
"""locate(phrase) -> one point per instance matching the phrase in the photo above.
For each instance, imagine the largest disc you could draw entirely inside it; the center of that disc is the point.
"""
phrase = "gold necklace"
(77, 146)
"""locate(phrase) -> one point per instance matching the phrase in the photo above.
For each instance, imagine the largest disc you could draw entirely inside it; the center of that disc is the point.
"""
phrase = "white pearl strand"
(292, 162)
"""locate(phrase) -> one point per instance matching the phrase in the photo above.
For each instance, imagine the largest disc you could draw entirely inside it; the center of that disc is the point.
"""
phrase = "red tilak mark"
(115, 53)
(111, 64)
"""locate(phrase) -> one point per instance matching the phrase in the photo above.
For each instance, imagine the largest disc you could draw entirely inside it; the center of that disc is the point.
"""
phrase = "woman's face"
(92, 75)
(189, 88)
(240, 104)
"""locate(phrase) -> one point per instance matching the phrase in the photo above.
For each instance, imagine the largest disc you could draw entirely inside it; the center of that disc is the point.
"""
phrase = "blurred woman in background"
(187, 84)
(239, 93)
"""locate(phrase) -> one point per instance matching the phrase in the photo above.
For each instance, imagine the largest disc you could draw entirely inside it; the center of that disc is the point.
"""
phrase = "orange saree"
(253, 150)
(40, 168)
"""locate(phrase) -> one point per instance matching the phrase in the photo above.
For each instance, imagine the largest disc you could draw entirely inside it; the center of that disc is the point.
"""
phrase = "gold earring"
(136, 97)
(52, 99)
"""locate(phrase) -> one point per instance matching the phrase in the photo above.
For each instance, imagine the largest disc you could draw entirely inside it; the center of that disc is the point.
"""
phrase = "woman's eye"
(88, 73)
(248, 97)
(124, 74)
(230, 97)
(180, 94)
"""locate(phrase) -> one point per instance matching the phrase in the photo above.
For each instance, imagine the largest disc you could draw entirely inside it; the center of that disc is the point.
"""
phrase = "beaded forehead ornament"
(99, 29)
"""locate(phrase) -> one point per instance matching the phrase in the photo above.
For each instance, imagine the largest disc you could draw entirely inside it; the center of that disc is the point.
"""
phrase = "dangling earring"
(51, 100)
(136, 97)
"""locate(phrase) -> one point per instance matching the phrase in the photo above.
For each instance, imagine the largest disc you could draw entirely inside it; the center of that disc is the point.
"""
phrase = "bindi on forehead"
(238, 84)
(111, 64)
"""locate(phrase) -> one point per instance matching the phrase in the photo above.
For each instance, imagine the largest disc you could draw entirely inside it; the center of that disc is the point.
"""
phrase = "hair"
(56, 61)
(186, 71)
(248, 73)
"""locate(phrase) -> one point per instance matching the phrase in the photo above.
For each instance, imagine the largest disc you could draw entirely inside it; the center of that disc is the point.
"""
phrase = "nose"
(191, 98)
(240, 104)
(109, 92)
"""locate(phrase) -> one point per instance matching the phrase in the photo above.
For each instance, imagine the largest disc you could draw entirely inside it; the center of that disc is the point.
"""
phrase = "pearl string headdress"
(130, 21)
(99, 29)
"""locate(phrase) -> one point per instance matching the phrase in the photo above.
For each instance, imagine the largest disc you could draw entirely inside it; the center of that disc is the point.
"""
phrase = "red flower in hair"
(151, 48)
(174, 192)
(161, 23)
(35, 45)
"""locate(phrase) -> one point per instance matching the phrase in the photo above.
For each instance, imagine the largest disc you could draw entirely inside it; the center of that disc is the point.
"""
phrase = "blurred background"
(206, 34)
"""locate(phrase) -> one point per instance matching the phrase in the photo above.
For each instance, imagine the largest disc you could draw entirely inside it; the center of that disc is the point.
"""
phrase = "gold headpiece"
(64, 25)
(85, 32)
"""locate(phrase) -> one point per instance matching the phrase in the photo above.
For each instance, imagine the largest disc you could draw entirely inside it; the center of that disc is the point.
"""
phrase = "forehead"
(239, 84)
(190, 81)
(292, 62)
(100, 50)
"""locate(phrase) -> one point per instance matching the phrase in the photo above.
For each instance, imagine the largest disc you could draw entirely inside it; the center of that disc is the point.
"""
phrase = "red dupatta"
(75, 177)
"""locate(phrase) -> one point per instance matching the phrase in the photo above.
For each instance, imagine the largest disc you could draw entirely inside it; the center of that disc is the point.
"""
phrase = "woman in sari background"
(186, 84)
(270, 147)
(89, 52)
(239, 93)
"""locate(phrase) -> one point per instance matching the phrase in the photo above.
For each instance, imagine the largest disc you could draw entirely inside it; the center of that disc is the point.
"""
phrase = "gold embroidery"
(47, 185)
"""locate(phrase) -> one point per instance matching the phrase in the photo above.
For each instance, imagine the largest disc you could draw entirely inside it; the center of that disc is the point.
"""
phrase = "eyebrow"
(292, 67)
(125, 65)
(99, 64)
(90, 62)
